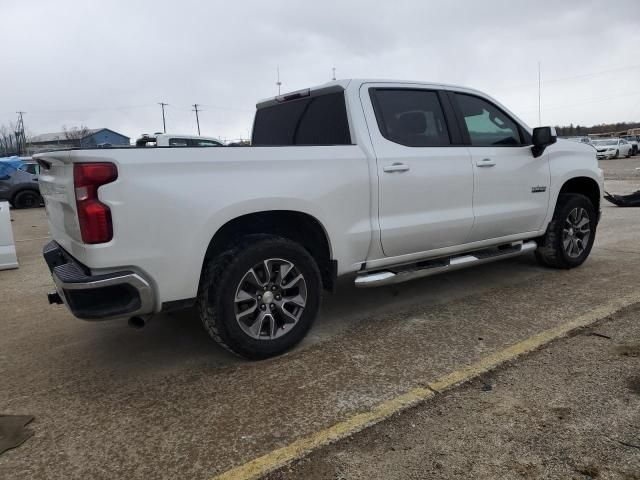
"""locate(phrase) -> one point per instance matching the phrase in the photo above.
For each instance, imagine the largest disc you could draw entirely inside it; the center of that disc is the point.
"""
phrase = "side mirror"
(543, 137)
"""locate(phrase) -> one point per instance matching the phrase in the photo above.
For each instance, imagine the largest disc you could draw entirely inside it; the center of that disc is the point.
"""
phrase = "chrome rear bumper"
(97, 297)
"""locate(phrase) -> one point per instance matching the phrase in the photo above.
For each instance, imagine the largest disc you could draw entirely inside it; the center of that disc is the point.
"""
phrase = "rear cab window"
(310, 120)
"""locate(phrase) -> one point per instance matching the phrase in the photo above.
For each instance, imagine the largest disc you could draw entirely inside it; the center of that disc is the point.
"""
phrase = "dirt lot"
(112, 402)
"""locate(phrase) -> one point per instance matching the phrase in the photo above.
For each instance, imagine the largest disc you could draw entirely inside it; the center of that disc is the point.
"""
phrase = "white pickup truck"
(384, 180)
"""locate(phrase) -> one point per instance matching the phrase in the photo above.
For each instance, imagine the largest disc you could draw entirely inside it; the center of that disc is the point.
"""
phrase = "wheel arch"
(586, 186)
(299, 227)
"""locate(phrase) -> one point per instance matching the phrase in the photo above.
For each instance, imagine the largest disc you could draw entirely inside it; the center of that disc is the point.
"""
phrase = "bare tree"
(9, 142)
(76, 134)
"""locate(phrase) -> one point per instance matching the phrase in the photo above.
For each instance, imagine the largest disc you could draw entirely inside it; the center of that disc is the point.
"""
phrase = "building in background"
(77, 138)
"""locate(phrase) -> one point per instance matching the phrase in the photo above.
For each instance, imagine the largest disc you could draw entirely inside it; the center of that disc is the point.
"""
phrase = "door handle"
(396, 167)
(485, 162)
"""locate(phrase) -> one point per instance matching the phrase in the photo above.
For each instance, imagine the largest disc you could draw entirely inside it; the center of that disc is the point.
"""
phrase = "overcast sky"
(107, 63)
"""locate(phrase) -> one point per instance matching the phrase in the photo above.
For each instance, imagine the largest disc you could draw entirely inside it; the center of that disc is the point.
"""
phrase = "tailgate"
(56, 187)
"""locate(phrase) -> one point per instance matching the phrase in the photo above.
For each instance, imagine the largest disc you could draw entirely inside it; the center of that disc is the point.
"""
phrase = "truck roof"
(355, 83)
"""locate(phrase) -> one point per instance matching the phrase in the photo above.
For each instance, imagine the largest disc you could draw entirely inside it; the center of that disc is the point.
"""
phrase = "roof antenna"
(334, 73)
(278, 83)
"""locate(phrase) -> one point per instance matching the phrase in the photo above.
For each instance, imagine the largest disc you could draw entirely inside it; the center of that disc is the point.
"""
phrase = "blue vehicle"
(19, 182)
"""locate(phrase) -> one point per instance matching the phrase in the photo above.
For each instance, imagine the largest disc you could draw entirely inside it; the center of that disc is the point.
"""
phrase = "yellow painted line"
(299, 448)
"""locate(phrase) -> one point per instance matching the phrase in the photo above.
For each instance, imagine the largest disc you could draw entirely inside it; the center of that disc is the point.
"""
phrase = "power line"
(514, 86)
(588, 101)
(592, 74)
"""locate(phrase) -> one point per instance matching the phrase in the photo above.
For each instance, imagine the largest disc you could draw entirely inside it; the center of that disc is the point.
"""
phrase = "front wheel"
(570, 234)
(260, 298)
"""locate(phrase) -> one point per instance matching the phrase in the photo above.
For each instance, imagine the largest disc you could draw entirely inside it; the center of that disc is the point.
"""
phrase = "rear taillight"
(93, 215)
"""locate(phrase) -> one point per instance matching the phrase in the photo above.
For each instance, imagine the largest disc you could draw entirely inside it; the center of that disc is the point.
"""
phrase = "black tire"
(551, 249)
(617, 154)
(27, 199)
(221, 279)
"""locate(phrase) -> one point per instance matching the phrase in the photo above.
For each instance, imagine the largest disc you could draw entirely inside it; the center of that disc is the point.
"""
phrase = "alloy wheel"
(270, 299)
(576, 232)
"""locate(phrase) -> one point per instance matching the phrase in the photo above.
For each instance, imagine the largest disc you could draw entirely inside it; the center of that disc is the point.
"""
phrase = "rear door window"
(320, 120)
(410, 117)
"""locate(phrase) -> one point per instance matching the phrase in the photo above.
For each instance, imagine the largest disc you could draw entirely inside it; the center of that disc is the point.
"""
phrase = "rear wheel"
(260, 298)
(570, 234)
(27, 199)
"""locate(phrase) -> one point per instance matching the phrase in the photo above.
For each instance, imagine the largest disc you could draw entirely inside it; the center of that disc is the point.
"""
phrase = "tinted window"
(204, 143)
(410, 117)
(487, 125)
(178, 142)
(318, 120)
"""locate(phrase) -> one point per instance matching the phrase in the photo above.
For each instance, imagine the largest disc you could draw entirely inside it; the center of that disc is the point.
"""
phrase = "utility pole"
(20, 136)
(195, 109)
(539, 97)
(278, 83)
(164, 124)
(334, 73)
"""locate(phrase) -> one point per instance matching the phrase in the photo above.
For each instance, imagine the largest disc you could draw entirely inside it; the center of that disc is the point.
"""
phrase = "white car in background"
(633, 141)
(586, 140)
(612, 148)
(175, 140)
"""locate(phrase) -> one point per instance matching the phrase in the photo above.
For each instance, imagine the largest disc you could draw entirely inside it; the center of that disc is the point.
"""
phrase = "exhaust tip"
(137, 322)
(54, 298)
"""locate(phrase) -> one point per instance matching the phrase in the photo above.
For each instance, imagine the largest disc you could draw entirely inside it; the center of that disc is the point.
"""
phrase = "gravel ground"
(570, 410)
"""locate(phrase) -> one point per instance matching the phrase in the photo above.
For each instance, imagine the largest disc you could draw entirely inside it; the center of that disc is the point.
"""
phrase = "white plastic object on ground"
(8, 258)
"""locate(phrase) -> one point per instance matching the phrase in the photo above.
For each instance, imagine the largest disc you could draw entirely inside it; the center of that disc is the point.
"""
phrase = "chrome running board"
(442, 265)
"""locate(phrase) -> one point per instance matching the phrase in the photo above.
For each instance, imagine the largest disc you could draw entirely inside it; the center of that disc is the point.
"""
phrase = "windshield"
(605, 142)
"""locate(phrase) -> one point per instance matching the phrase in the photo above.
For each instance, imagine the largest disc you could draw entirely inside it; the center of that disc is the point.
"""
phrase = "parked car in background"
(612, 148)
(580, 139)
(175, 140)
(385, 181)
(19, 182)
(633, 140)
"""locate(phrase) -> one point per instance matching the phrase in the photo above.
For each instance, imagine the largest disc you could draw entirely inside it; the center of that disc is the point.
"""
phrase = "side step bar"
(388, 277)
